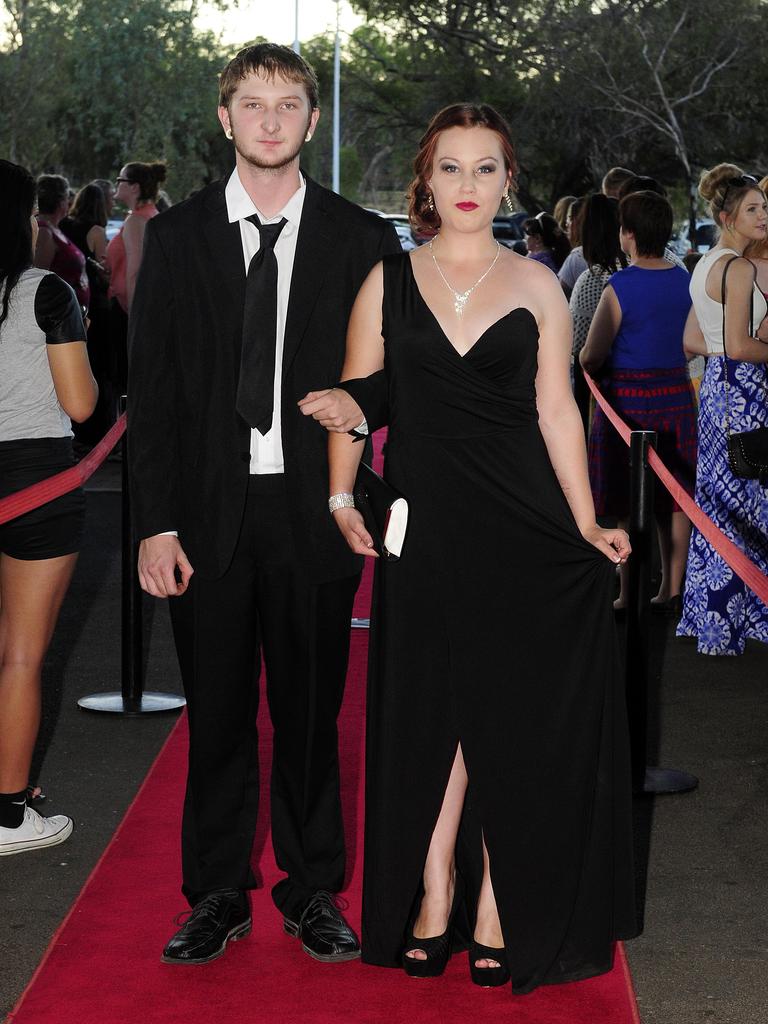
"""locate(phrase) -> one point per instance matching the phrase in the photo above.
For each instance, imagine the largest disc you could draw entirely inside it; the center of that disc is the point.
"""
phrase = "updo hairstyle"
(724, 188)
(458, 115)
(148, 177)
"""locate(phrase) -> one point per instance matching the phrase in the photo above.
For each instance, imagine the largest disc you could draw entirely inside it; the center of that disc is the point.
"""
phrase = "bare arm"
(602, 331)
(133, 238)
(97, 242)
(560, 421)
(365, 355)
(45, 248)
(693, 339)
(738, 298)
(76, 389)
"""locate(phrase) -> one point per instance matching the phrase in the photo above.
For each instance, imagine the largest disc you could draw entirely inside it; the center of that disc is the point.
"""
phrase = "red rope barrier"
(61, 483)
(744, 567)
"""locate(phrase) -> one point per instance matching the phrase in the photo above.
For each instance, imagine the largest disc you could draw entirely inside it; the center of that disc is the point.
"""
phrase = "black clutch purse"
(748, 450)
(384, 510)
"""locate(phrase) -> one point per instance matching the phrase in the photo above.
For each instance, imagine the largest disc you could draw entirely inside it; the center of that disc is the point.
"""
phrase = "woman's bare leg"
(487, 926)
(674, 534)
(440, 866)
(31, 593)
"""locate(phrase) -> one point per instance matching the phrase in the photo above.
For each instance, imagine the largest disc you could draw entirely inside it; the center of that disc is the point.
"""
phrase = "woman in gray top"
(45, 379)
(603, 257)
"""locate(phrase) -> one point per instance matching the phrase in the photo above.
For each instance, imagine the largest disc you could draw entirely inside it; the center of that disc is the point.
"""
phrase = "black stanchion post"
(131, 651)
(131, 700)
(638, 599)
(644, 779)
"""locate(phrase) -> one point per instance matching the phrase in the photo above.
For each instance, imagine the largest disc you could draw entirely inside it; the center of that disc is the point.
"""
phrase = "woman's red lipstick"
(467, 206)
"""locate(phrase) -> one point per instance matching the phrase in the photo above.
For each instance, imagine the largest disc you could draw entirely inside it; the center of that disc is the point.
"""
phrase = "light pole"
(336, 107)
(296, 43)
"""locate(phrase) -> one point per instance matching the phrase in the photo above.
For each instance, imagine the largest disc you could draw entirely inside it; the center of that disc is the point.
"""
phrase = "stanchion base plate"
(361, 623)
(668, 780)
(114, 703)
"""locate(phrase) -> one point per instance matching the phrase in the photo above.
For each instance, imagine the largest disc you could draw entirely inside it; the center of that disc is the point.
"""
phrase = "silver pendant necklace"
(460, 299)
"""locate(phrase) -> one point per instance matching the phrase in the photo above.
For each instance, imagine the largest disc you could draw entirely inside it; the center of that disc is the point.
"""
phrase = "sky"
(275, 19)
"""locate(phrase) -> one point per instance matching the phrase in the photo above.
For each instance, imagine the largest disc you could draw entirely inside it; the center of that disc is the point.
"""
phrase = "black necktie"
(256, 386)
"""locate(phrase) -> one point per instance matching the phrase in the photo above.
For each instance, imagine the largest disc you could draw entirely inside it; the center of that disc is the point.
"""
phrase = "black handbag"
(384, 510)
(748, 450)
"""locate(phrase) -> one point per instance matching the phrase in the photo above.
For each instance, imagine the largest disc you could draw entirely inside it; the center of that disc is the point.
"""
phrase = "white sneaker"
(34, 833)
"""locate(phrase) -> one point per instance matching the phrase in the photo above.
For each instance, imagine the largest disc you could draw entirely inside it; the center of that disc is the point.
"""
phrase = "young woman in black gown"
(497, 793)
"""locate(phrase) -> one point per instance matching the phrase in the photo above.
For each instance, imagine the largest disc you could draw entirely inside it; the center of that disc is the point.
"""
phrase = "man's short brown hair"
(614, 179)
(268, 59)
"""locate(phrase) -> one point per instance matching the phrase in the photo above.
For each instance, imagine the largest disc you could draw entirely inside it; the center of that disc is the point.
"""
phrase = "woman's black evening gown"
(495, 631)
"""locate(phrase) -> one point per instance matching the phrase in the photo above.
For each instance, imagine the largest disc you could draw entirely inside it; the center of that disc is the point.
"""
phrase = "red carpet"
(103, 965)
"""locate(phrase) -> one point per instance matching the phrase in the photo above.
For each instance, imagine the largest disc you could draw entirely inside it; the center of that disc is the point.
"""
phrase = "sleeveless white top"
(709, 311)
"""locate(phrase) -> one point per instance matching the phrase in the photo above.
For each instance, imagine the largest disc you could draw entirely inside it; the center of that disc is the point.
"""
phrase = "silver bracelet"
(343, 500)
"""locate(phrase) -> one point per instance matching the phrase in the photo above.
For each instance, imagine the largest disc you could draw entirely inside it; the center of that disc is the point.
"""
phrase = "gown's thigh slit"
(441, 838)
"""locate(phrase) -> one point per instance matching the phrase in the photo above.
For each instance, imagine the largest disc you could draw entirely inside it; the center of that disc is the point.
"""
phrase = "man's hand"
(333, 409)
(159, 558)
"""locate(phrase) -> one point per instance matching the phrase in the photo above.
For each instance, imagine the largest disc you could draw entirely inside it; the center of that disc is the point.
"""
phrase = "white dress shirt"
(267, 449)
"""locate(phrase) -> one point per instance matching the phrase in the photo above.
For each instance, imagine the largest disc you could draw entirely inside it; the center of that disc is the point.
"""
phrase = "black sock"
(12, 806)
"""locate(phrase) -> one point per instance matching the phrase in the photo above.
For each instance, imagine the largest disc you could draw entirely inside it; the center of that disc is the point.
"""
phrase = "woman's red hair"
(457, 115)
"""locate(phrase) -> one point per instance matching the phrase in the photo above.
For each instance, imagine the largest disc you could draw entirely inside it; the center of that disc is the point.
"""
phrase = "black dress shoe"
(218, 918)
(324, 933)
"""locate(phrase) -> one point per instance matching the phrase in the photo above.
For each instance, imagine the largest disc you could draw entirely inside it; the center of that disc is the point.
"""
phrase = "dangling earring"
(228, 132)
(430, 203)
(506, 197)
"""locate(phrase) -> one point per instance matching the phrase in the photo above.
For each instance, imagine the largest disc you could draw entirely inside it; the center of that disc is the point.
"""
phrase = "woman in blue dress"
(718, 608)
(636, 343)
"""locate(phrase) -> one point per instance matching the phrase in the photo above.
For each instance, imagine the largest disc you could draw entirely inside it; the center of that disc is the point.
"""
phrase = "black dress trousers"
(263, 602)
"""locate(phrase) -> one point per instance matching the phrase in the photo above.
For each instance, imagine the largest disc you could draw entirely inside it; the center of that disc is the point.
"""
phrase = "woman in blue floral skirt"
(718, 609)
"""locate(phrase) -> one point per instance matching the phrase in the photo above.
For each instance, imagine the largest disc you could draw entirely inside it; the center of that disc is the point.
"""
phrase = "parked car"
(706, 236)
(403, 229)
(112, 228)
(509, 231)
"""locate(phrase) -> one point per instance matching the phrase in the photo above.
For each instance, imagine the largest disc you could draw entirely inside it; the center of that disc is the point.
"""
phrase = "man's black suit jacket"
(189, 449)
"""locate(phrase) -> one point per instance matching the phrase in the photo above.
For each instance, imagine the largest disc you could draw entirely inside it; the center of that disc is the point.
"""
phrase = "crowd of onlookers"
(72, 241)
(650, 328)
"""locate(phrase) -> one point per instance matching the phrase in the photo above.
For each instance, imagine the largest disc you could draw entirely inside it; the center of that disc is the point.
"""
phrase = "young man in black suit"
(240, 310)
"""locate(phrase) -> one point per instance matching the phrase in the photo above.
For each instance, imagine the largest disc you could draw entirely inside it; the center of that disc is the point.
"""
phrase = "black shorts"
(55, 528)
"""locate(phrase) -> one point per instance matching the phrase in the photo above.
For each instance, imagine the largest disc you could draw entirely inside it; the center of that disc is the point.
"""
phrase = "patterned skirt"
(654, 399)
(718, 609)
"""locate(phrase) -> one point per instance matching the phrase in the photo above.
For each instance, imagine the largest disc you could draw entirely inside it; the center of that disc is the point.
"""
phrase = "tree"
(95, 83)
(664, 78)
(652, 84)
(34, 28)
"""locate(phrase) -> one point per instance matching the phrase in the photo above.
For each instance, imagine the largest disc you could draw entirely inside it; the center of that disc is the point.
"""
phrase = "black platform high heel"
(488, 977)
(437, 948)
